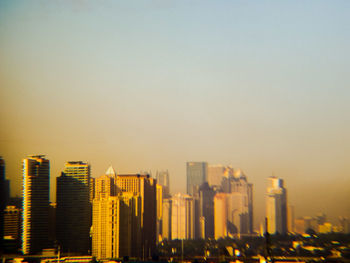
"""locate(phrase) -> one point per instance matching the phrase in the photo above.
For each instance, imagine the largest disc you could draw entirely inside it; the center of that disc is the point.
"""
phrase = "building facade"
(276, 206)
(197, 174)
(73, 211)
(36, 193)
(182, 217)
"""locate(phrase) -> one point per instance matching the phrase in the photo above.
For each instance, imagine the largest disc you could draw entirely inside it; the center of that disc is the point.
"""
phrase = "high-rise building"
(12, 221)
(276, 206)
(2, 200)
(73, 214)
(290, 221)
(166, 219)
(36, 193)
(197, 174)
(206, 207)
(220, 215)
(182, 217)
(116, 226)
(217, 172)
(145, 187)
(159, 198)
(163, 180)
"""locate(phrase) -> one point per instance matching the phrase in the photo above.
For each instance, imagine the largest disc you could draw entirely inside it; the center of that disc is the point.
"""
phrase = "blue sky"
(147, 85)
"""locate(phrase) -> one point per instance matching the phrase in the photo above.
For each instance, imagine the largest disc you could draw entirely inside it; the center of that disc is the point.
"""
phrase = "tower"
(163, 180)
(182, 217)
(276, 206)
(74, 208)
(36, 192)
(197, 174)
(145, 187)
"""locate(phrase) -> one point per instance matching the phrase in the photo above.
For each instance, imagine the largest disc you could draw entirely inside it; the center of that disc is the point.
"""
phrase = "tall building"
(163, 180)
(290, 220)
(220, 215)
(217, 172)
(159, 198)
(166, 219)
(116, 226)
(36, 192)
(182, 217)
(145, 187)
(206, 207)
(276, 206)
(2, 200)
(73, 214)
(12, 221)
(197, 174)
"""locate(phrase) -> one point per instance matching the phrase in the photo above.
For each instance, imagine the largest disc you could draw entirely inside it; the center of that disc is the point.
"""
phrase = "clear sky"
(147, 85)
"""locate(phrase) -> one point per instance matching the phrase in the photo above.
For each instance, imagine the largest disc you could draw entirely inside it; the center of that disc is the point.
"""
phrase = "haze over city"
(151, 85)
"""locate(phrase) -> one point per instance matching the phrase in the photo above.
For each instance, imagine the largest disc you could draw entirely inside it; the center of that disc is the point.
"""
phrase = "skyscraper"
(2, 200)
(220, 215)
(116, 226)
(73, 208)
(197, 174)
(182, 217)
(163, 179)
(240, 203)
(145, 187)
(206, 207)
(166, 219)
(276, 206)
(36, 192)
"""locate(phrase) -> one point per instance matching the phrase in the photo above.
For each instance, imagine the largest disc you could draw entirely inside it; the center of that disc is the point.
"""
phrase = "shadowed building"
(206, 207)
(2, 200)
(73, 212)
(276, 206)
(36, 192)
(145, 187)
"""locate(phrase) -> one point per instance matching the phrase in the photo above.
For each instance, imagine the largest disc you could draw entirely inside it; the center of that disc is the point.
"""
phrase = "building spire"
(110, 171)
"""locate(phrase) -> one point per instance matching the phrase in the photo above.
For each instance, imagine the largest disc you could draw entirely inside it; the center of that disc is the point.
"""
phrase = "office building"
(12, 223)
(291, 220)
(145, 187)
(197, 174)
(116, 226)
(163, 180)
(276, 206)
(2, 199)
(166, 219)
(36, 192)
(159, 198)
(206, 213)
(217, 172)
(73, 212)
(220, 215)
(182, 217)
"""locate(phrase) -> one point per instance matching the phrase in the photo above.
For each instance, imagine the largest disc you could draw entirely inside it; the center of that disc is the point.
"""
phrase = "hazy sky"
(147, 85)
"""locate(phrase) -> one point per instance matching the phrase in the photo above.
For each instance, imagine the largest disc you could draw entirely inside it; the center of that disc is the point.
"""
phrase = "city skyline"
(150, 86)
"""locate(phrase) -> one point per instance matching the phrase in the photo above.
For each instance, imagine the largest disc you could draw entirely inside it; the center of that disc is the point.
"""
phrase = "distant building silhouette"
(206, 207)
(163, 180)
(276, 206)
(197, 174)
(73, 214)
(36, 192)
